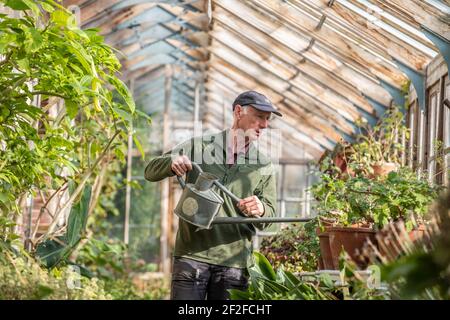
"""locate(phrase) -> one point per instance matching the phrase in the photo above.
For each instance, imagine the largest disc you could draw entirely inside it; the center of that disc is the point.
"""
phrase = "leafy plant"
(380, 144)
(266, 284)
(423, 272)
(62, 108)
(295, 249)
(54, 251)
(21, 277)
(401, 195)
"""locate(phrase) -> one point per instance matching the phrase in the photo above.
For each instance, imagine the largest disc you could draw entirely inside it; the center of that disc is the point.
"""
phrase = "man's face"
(252, 121)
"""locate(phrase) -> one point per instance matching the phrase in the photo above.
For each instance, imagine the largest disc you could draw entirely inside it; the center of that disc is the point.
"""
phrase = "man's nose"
(264, 123)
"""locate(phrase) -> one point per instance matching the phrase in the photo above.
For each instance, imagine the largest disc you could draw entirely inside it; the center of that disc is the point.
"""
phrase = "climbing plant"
(64, 112)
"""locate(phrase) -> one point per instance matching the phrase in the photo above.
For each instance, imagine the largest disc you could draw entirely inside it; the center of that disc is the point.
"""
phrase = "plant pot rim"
(351, 229)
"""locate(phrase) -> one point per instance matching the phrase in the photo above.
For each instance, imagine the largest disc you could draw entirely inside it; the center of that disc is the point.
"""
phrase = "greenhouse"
(224, 150)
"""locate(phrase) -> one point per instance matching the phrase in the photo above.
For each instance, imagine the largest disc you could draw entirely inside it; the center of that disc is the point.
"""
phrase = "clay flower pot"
(325, 250)
(350, 239)
(382, 169)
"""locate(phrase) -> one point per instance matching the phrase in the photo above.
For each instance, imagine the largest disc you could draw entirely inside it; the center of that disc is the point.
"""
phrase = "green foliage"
(110, 261)
(104, 258)
(54, 251)
(381, 143)
(401, 195)
(45, 144)
(266, 284)
(22, 278)
(295, 249)
(424, 272)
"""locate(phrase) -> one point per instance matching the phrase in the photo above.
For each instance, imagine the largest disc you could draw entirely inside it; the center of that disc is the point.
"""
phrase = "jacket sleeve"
(160, 167)
(266, 191)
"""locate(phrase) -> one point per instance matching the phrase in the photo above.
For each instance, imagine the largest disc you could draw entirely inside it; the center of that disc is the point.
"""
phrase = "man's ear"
(238, 110)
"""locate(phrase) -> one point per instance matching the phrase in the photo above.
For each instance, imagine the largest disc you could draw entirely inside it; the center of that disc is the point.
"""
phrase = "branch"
(44, 207)
(46, 93)
(366, 192)
(78, 190)
(6, 59)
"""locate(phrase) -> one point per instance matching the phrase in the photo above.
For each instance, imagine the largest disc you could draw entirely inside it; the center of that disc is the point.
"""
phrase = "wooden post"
(224, 113)
(164, 252)
(126, 235)
(197, 110)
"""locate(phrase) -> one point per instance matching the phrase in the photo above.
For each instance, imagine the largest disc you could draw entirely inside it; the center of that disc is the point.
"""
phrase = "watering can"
(199, 204)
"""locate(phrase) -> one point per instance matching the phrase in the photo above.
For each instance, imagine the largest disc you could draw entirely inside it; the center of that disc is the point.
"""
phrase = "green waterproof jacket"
(253, 174)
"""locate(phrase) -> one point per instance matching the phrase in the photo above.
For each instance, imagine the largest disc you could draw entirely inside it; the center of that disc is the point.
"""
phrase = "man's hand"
(180, 165)
(251, 206)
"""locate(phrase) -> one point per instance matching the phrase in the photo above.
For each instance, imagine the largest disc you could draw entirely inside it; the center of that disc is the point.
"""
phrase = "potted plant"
(359, 208)
(379, 150)
(343, 223)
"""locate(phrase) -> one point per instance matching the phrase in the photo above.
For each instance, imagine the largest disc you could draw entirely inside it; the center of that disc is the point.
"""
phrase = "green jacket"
(253, 174)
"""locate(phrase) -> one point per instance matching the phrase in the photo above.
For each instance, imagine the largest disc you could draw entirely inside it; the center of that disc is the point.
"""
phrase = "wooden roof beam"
(320, 67)
(291, 21)
(402, 46)
(290, 111)
(306, 103)
(278, 97)
(295, 73)
(279, 83)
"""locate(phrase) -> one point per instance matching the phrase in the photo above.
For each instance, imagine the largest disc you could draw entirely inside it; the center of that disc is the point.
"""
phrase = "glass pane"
(447, 117)
(295, 181)
(294, 209)
(432, 134)
(144, 223)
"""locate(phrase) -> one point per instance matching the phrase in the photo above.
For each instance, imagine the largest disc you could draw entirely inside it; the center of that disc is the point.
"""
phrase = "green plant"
(21, 277)
(401, 195)
(423, 272)
(266, 284)
(62, 109)
(380, 144)
(295, 248)
(57, 249)
(110, 261)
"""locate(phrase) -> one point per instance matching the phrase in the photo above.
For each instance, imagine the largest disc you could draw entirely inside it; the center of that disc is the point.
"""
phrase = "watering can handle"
(180, 179)
(217, 183)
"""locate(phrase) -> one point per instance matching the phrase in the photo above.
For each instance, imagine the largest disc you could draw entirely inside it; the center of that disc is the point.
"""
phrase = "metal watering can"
(199, 204)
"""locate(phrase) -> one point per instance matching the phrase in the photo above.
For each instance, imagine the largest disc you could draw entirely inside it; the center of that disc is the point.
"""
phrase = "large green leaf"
(122, 89)
(264, 267)
(289, 280)
(17, 5)
(35, 41)
(33, 6)
(239, 295)
(78, 218)
(51, 252)
(72, 108)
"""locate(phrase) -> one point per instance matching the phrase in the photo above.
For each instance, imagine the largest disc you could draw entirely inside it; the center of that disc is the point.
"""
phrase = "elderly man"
(207, 263)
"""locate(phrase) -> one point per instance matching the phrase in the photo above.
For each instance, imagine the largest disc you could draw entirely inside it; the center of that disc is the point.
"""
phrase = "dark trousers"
(195, 280)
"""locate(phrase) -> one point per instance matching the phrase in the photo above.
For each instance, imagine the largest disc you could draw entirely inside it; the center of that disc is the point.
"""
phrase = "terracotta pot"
(352, 240)
(325, 250)
(383, 169)
(391, 239)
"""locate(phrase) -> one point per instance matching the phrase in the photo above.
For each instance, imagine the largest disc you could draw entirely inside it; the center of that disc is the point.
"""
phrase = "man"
(209, 262)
